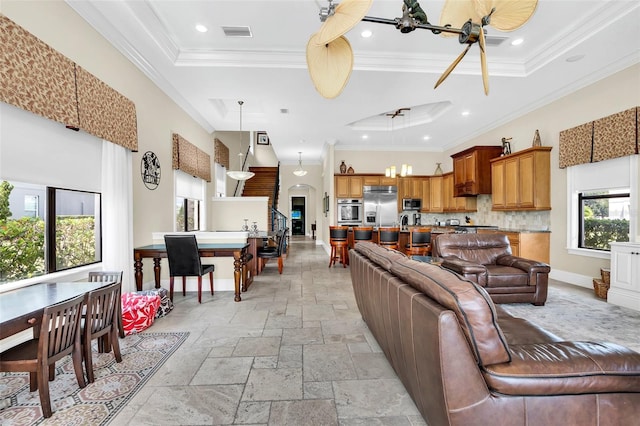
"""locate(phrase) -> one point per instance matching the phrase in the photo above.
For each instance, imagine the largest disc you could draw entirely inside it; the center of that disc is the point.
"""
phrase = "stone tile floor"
(295, 351)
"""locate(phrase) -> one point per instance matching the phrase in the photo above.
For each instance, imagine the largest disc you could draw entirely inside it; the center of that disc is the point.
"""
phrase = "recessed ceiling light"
(201, 28)
(366, 33)
(426, 137)
(574, 58)
(517, 41)
(465, 113)
(365, 136)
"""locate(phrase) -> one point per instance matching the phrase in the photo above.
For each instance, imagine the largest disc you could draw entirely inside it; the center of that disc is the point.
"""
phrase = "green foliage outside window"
(21, 248)
(599, 232)
(76, 241)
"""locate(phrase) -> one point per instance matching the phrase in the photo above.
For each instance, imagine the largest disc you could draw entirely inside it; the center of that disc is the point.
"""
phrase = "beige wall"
(158, 116)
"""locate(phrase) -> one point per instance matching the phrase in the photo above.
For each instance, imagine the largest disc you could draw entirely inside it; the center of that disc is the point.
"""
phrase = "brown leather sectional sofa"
(465, 361)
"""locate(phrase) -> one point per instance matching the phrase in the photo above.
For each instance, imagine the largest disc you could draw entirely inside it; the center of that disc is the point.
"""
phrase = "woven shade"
(509, 14)
(347, 15)
(190, 159)
(329, 65)
(221, 153)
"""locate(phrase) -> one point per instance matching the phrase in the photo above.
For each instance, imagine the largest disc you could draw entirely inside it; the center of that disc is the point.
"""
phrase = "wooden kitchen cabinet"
(348, 186)
(409, 187)
(425, 194)
(522, 181)
(436, 199)
(534, 245)
(472, 170)
(455, 204)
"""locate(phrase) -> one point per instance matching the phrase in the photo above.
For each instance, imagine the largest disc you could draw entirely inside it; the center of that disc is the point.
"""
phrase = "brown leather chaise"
(486, 259)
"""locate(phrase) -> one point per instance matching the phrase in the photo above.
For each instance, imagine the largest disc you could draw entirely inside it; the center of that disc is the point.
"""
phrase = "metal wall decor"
(506, 146)
(150, 170)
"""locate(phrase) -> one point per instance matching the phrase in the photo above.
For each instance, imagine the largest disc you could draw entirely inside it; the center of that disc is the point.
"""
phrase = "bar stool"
(419, 242)
(388, 237)
(339, 245)
(362, 233)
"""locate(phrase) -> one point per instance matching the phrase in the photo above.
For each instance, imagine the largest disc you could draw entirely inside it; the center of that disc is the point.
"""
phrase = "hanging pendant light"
(240, 174)
(299, 171)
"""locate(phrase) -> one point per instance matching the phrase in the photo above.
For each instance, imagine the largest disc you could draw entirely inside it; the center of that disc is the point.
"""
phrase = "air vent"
(237, 31)
(284, 111)
(495, 40)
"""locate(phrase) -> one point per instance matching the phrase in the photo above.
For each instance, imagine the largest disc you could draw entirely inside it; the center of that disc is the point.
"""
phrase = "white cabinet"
(625, 275)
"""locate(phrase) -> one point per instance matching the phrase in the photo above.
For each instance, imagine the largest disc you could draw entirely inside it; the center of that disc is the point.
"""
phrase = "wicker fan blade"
(483, 62)
(508, 15)
(329, 65)
(346, 16)
(452, 66)
(456, 13)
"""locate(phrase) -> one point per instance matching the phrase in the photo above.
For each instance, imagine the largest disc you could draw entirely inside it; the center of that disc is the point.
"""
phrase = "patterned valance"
(190, 159)
(35, 77)
(221, 153)
(38, 79)
(610, 137)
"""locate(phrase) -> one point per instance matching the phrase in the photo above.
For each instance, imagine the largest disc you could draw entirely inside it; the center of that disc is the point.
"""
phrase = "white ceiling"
(207, 73)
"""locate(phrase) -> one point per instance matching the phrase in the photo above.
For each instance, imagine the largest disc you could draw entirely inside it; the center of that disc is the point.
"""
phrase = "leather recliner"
(487, 259)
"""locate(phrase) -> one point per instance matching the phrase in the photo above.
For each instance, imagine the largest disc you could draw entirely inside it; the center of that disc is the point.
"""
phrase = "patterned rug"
(98, 402)
(576, 314)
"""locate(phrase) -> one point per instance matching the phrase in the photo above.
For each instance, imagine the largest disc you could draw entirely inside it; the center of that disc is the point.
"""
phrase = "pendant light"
(299, 171)
(240, 174)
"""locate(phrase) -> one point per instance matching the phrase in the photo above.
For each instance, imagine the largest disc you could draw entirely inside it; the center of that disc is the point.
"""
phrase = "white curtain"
(117, 212)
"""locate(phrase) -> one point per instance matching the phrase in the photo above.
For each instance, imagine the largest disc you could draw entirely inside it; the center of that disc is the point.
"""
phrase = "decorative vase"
(343, 168)
(350, 170)
(438, 171)
(536, 139)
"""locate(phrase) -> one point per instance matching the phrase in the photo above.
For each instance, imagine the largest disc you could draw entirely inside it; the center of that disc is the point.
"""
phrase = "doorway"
(298, 214)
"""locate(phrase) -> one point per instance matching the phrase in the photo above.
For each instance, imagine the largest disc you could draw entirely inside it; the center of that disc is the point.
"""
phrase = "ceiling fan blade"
(452, 66)
(329, 65)
(508, 15)
(456, 13)
(483, 62)
(346, 16)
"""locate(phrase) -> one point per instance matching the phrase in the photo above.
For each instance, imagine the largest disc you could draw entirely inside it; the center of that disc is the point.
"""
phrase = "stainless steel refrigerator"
(380, 205)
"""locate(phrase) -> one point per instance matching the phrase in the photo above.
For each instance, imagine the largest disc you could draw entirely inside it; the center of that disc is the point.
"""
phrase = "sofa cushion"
(506, 276)
(566, 368)
(382, 256)
(472, 305)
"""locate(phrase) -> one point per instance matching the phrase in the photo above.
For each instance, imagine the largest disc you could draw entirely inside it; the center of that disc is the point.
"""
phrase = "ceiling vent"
(284, 111)
(237, 31)
(495, 40)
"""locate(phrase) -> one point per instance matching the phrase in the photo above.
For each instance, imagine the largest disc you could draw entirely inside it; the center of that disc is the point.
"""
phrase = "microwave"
(411, 204)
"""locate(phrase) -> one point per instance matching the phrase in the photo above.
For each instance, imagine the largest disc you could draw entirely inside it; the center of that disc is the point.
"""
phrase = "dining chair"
(114, 277)
(388, 237)
(270, 252)
(339, 245)
(58, 337)
(100, 322)
(362, 233)
(184, 261)
(419, 242)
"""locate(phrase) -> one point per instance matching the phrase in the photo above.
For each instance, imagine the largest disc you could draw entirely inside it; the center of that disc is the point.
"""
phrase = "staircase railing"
(244, 162)
(278, 220)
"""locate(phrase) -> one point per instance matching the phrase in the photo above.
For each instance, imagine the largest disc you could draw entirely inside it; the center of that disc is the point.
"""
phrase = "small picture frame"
(262, 138)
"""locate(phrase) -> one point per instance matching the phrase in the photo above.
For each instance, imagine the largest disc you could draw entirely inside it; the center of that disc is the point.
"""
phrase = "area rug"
(574, 313)
(115, 384)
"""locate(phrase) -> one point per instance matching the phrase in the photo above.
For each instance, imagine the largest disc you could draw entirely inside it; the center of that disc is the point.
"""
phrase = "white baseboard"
(572, 278)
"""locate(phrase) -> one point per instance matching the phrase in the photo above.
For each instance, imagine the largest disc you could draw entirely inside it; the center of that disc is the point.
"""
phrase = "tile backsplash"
(525, 220)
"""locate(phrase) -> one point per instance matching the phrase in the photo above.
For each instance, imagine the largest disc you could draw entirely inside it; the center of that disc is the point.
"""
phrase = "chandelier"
(405, 169)
(299, 171)
(240, 174)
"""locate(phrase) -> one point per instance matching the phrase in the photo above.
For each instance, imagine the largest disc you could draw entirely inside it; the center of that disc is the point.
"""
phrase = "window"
(604, 217)
(221, 180)
(189, 205)
(31, 244)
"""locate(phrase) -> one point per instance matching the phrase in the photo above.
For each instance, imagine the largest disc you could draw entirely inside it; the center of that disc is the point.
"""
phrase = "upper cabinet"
(450, 202)
(522, 181)
(348, 186)
(472, 170)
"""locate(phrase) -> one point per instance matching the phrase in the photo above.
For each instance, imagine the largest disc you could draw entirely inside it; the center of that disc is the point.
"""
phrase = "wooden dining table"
(157, 251)
(22, 309)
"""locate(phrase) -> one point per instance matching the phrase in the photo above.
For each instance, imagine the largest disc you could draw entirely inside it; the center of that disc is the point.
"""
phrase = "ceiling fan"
(330, 57)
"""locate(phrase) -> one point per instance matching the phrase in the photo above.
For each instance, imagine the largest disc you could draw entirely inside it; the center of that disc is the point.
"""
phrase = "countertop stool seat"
(339, 245)
(388, 237)
(419, 242)
(362, 233)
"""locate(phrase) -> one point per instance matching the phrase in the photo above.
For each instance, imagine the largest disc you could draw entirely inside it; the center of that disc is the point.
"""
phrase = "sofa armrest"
(566, 368)
(470, 270)
(528, 265)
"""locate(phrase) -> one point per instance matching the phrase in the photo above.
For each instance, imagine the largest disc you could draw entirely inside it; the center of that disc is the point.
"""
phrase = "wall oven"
(350, 212)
